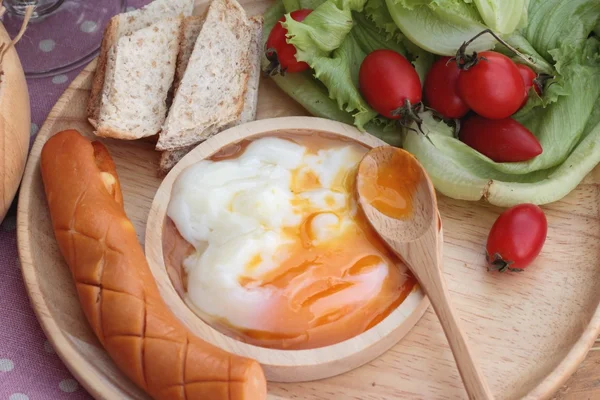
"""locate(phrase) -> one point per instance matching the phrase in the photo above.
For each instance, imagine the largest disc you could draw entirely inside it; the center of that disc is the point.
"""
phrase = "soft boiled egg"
(282, 257)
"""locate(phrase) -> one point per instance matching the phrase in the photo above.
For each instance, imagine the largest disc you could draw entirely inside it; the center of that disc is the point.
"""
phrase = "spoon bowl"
(404, 206)
(399, 200)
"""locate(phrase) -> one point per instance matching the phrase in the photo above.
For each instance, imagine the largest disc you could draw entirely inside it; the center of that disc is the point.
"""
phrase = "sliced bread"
(211, 93)
(254, 56)
(139, 73)
(126, 24)
(189, 33)
(168, 159)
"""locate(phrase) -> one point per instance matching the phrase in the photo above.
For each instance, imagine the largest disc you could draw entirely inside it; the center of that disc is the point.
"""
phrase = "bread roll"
(117, 291)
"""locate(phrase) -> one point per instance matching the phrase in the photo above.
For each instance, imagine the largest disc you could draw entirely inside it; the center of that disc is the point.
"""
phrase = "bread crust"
(95, 99)
(117, 291)
(169, 158)
(224, 18)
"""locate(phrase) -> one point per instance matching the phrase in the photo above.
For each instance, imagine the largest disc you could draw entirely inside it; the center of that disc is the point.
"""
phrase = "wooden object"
(530, 330)
(414, 238)
(279, 366)
(15, 124)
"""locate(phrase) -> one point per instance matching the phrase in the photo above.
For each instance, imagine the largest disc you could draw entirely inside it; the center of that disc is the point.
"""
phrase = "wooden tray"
(530, 330)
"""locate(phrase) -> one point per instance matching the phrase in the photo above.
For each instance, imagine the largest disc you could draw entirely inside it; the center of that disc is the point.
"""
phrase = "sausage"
(117, 291)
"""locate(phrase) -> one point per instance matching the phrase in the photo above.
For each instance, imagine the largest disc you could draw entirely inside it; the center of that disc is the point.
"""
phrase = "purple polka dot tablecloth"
(29, 367)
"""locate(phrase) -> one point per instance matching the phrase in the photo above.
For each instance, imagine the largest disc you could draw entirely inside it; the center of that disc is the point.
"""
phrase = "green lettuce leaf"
(377, 11)
(518, 41)
(456, 173)
(323, 30)
(440, 26)
(302, 87)
(322, 40)
(555, 23)
(334, 40)
(559, 124)
(312, 94)
(503, 16)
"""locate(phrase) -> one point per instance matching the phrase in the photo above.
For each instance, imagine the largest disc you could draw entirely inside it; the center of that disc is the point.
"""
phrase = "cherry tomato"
(529, 77)
(502, 140)
(387, 81)
(493, 87)
(282, 54)
(516, 238)
(441, 92)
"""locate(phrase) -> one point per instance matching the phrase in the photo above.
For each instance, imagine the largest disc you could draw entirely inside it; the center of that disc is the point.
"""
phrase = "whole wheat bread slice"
(169, 159)
(126, 24)
(211, 93)
(139, 73)
(189, 33)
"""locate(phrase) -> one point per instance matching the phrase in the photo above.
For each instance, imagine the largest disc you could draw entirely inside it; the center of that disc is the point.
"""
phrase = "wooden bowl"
(279, 365)
(15, 124)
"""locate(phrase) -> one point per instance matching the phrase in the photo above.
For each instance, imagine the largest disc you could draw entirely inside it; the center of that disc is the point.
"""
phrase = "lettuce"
(376, 11)
(502, 16)
(456, 173)
(555, 23)
(334, 40)
(556, 36)
(440, 26)
(567, 125)
(566, 119)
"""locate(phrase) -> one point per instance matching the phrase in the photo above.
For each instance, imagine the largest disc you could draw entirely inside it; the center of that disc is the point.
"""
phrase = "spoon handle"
(473, 379)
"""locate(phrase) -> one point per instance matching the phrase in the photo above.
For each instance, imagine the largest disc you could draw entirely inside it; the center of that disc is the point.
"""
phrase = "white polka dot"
(88, 26)
(34, 129)
(47, 45)
(18, 396)
(9, 224)
(60, 79)
(6, 365)
(68, 385)
(48, 347)
(130, 8)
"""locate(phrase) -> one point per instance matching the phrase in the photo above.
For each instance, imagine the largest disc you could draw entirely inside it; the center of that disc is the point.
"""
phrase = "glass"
(62, 34)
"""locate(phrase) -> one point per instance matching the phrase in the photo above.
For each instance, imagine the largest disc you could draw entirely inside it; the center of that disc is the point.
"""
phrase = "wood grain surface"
(531, 330)
(412, 233)
(15, 124)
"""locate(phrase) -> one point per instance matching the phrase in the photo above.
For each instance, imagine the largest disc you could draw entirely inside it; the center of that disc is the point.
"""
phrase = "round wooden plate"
(530, 330)
(279, 366)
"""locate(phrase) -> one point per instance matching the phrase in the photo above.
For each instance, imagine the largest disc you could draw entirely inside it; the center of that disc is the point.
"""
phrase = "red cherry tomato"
(493, 87)
(441, 92)
(529, 77)
(502, 140)
(516, 238)
(387, 80)
(282, 54)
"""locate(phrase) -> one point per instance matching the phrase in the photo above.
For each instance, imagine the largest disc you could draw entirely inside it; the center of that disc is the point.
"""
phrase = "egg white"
(237, 211)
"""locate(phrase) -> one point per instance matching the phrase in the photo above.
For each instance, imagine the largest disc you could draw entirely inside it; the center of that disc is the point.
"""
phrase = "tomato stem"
(455, 122)
(274, 67)
(409, 114)
(499, 264)
(540, 81)
(465, 61)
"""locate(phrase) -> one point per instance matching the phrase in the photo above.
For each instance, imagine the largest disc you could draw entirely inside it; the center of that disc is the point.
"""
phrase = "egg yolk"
(327, 288)
(389, 185)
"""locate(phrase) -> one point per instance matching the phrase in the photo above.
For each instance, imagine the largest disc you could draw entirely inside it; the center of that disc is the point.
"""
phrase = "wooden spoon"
(399, 201)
